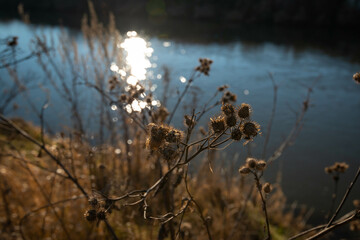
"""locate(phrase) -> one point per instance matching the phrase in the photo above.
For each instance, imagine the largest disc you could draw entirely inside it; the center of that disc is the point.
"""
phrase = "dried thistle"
(90, 215)
(267, 187)
(356, 77)
(251, 163)
(228, 109)
(236, 134)
(260, 165)
(217, 124)
(244, 170)
(244, 111)
(204, 66)
(250, 129)
(230, 120)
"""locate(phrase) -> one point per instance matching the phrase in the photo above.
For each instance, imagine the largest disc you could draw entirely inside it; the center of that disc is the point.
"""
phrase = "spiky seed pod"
(173, 136)
(266, 187)
(204, 66)
(218, 124)
(356, 77)
(230, 120)
(222, 88)
(244, 111)
(228, 97)
(244, 170)
(233, 98)
(157, 136)
(251, 162)
(236, 134)
(101, 214)
(328, 170)
(228, 109)
(123, 98)
(250, 129)
(260, 165)
(90, 215)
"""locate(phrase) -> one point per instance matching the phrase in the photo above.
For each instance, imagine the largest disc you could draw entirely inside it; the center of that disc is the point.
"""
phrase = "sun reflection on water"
(138, 53)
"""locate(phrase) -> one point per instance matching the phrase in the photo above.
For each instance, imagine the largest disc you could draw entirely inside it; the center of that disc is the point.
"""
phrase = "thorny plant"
(154, 181)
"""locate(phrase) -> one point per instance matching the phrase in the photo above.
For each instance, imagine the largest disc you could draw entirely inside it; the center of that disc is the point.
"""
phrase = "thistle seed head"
(267, 187)
(356, 77)
(244, 170)
(228, 109)
(217, 124)
(244, 111)
(251, 162)
(230, 120)
(236, 134)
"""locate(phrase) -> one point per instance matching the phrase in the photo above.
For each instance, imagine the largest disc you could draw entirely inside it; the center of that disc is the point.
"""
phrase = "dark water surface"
(242, 59)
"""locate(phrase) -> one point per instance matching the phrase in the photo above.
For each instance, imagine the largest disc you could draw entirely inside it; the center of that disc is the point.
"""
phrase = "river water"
(331, 128)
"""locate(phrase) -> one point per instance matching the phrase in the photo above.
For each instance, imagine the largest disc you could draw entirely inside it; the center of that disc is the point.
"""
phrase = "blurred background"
(301, 43)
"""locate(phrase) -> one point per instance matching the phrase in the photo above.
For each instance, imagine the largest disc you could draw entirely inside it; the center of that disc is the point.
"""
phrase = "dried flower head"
(337, 167)
(244, 111)
(228, 97)
(228, 109)
(267, 187)
(222, 88)
(90, 215)
(173, 136)
(157, 136)
(250, 129)
(217, 124)
(204, 66)
(260, 165)
(13, 42)
(356, 77)
(123, 97)
(244, 170)
(230, 120)
(251, 162)
(236, 134)
(355, 226)
(113, 82)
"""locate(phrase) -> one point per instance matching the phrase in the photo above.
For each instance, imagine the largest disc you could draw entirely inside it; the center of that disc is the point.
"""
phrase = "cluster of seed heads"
(165, 140)
(256, 167)
(252, 165)
(204, 66)
(134, 93)
(356, 77)
(98, 209)
(222, 88)
(338, 167)
(243, 129)
(113, 83)
(228, 97)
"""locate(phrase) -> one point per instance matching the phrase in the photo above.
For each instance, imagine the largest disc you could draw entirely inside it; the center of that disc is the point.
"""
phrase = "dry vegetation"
(143, 178)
